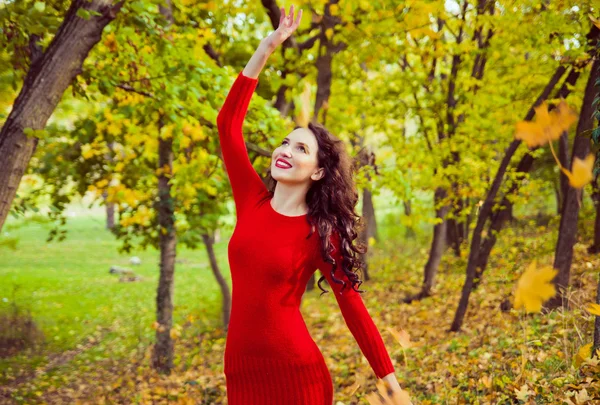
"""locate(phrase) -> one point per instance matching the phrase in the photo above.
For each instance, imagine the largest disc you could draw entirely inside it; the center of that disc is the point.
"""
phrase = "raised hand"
(287, 26)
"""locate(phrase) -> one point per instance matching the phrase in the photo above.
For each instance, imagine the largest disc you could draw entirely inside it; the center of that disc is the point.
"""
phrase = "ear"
(318, 175)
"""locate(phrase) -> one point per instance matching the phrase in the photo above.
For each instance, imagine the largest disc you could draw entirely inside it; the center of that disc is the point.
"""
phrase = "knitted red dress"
(270, 357)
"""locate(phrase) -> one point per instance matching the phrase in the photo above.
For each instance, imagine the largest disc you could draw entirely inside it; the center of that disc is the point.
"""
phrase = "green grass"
(70, 293)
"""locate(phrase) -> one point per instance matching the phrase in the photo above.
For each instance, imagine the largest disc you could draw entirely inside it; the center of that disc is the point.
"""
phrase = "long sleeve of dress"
(245, 182)
(356, 315)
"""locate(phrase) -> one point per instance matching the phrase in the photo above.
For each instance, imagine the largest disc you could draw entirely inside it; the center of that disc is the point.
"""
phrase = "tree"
(50, 73)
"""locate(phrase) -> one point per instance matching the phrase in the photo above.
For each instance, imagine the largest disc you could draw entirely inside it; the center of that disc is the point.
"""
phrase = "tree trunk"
(563, 158)
(209, 243)
(557, 196)
(567, 234)
(410, 232)
(455, 229)
(595, 248)
(438, 245)
(370, 231)
(110, 206)
(480, 249)
(110, 212)
(162, 358)
(49, 76)
(597, 323)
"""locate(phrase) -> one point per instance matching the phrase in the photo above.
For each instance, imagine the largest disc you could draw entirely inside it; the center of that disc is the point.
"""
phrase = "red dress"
(270, 357)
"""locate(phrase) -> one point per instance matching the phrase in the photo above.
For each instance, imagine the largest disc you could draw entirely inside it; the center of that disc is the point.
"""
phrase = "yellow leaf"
(593, 309)
(102, 183)
(87, 151)
(547, 126)
(582, 171)
(174, 333)
(111, 42)
(524, 393)
(185, 142)
(329, 33)
(486, 381)
(402, 337)
(534, 288)
(584, 353)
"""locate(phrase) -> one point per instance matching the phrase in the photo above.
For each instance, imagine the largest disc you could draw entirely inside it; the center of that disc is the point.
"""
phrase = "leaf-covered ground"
(499, 357)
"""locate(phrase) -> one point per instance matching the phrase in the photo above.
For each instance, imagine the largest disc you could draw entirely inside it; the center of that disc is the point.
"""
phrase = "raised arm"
(245, 182)
(357, 317)
(287, 26)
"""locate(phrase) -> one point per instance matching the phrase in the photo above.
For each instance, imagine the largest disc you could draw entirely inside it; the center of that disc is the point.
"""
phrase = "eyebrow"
(301, 143)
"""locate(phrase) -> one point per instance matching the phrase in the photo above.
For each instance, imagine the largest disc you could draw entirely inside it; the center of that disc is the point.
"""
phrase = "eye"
(300, 146)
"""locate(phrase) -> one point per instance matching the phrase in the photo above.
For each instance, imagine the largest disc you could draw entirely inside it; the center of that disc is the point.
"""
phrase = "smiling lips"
(282, 164)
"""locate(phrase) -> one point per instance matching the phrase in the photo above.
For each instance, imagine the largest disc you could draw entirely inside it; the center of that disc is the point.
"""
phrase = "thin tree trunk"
(209, 242)
(563, 158)
(410, 232)
(162, 358)
(49, 76)
(162, 355)
(597, 323)
(438, 246)
(110, 212)
(557, 196)
(110, 206)
(567, 234)
(370, 231)
(595, 248)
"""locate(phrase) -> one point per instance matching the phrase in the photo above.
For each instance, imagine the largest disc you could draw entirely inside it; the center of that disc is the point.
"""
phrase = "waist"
(274, 363)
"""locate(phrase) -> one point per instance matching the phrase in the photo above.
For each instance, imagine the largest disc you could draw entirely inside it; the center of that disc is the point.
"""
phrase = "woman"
(270, 357)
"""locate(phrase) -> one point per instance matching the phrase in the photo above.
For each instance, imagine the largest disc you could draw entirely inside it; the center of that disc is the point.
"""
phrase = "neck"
(290, 199)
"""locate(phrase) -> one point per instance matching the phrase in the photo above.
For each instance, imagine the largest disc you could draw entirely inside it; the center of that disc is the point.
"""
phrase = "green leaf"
(596, 135)
(83, 13)
(39, 6)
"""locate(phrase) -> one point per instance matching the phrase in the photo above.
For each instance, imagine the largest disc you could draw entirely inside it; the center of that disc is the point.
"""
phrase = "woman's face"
(299, 149)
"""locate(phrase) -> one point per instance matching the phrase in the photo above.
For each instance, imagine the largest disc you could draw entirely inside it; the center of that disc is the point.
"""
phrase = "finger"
(282, 16)
(298, 18)
(291, 20)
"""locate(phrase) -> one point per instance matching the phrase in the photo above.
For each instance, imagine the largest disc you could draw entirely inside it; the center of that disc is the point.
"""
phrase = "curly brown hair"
(331, 206)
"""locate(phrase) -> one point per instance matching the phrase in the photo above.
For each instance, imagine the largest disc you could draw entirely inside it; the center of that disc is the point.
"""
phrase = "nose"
(285, 151)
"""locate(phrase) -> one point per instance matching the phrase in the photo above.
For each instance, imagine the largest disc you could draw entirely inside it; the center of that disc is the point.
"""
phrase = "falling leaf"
(593, 309)
(402, 337)
(582, 171)
(534, 288)
(546, 126)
